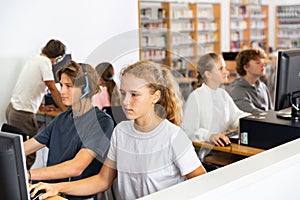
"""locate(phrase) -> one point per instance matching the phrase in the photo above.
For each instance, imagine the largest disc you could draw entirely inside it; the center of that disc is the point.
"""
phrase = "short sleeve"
(43, 136)
(184, 155)
(113, 146)
(94, 130)
(46, 70)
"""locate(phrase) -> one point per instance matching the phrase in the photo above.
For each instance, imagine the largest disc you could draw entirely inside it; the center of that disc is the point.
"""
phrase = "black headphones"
(86, 89)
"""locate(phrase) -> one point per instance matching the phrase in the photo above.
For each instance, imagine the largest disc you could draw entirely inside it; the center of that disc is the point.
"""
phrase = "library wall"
(248, 25)
(272, 16)
(287, 26)
(225, 9)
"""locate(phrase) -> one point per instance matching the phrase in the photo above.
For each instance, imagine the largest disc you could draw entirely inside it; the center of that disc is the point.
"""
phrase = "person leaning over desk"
(149, 152)
(248, 92)
(209, 110)
(78, 139)
(30, 88)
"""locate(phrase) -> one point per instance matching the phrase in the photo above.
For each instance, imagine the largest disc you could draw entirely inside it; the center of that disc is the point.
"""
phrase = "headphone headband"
(86, 90)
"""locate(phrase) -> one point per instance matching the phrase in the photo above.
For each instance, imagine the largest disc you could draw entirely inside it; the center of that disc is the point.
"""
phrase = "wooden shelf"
(181, 32)
(248, 25)
(287, 26)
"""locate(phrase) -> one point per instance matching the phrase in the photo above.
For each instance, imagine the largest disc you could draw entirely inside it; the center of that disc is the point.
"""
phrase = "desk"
(53, 113)
(273, 174)
(56, 198)
(234, 149)
(224, 155)
(46, 116)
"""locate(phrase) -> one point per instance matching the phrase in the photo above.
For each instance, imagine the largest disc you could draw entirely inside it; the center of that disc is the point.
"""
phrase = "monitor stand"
(287, 114)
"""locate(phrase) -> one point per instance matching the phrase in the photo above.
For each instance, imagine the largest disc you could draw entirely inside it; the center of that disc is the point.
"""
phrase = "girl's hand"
(220, 140)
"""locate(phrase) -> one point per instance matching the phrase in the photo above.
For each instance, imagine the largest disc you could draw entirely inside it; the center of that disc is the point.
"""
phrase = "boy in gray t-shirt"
(249, 93)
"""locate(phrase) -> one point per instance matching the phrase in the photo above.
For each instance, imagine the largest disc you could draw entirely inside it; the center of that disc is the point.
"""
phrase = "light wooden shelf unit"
(183, 31)
(287, 27)
(248, 25)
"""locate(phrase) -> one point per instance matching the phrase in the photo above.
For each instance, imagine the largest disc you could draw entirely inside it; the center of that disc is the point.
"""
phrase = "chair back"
(12, 129)
(116, 113)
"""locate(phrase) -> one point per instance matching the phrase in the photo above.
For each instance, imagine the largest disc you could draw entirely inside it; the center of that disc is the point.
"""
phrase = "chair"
(116, 113)
(202, 152)
(12, 129)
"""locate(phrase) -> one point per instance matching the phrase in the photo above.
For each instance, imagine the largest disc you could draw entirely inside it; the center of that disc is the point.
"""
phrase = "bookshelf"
(182, 44)
(208, 27)
(287, 27)
(176, 33)
(153, 34)
(248, 25)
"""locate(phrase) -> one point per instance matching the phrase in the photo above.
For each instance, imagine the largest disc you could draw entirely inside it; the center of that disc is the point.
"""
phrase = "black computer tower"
(267, 131)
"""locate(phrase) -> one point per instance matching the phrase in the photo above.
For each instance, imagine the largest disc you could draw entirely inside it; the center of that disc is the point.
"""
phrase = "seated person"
(209, 110)
(149, 152)
(78, 139)
(107, 94)
(248, 92)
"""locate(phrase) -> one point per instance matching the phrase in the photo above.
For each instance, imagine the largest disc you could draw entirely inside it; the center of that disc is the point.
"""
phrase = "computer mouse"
(225, 145)
(36, 196)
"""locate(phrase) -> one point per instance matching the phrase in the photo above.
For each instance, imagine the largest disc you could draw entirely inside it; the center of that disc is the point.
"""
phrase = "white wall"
(83, 26)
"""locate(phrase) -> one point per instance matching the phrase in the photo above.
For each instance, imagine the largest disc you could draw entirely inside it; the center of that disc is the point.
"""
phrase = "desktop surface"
(237, 149)
(266, 131)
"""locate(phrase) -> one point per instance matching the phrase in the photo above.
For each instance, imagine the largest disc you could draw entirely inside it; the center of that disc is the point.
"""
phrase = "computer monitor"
(13, 177)
(65, 61)
(287, 88)
(231, 55)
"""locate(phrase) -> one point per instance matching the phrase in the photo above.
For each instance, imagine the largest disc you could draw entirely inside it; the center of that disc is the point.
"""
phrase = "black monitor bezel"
(65, 61)
(282, 93)
(16, 141)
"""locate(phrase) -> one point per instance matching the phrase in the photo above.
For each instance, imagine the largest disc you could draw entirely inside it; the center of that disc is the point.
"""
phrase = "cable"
(230, 155)
(291, 101)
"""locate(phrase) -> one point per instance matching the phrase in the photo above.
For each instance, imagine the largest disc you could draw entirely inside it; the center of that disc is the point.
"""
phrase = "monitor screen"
(13, 177)
(65, 61)
(287, 77)
(231, 55)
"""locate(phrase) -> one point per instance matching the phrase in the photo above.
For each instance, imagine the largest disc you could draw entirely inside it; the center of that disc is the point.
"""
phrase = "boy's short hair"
(54, 49)
(244, 57)
(75, 72)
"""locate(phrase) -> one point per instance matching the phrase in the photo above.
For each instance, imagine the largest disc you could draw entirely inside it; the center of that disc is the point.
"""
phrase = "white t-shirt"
(30, 87)
(209, 111)
(149, 162)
